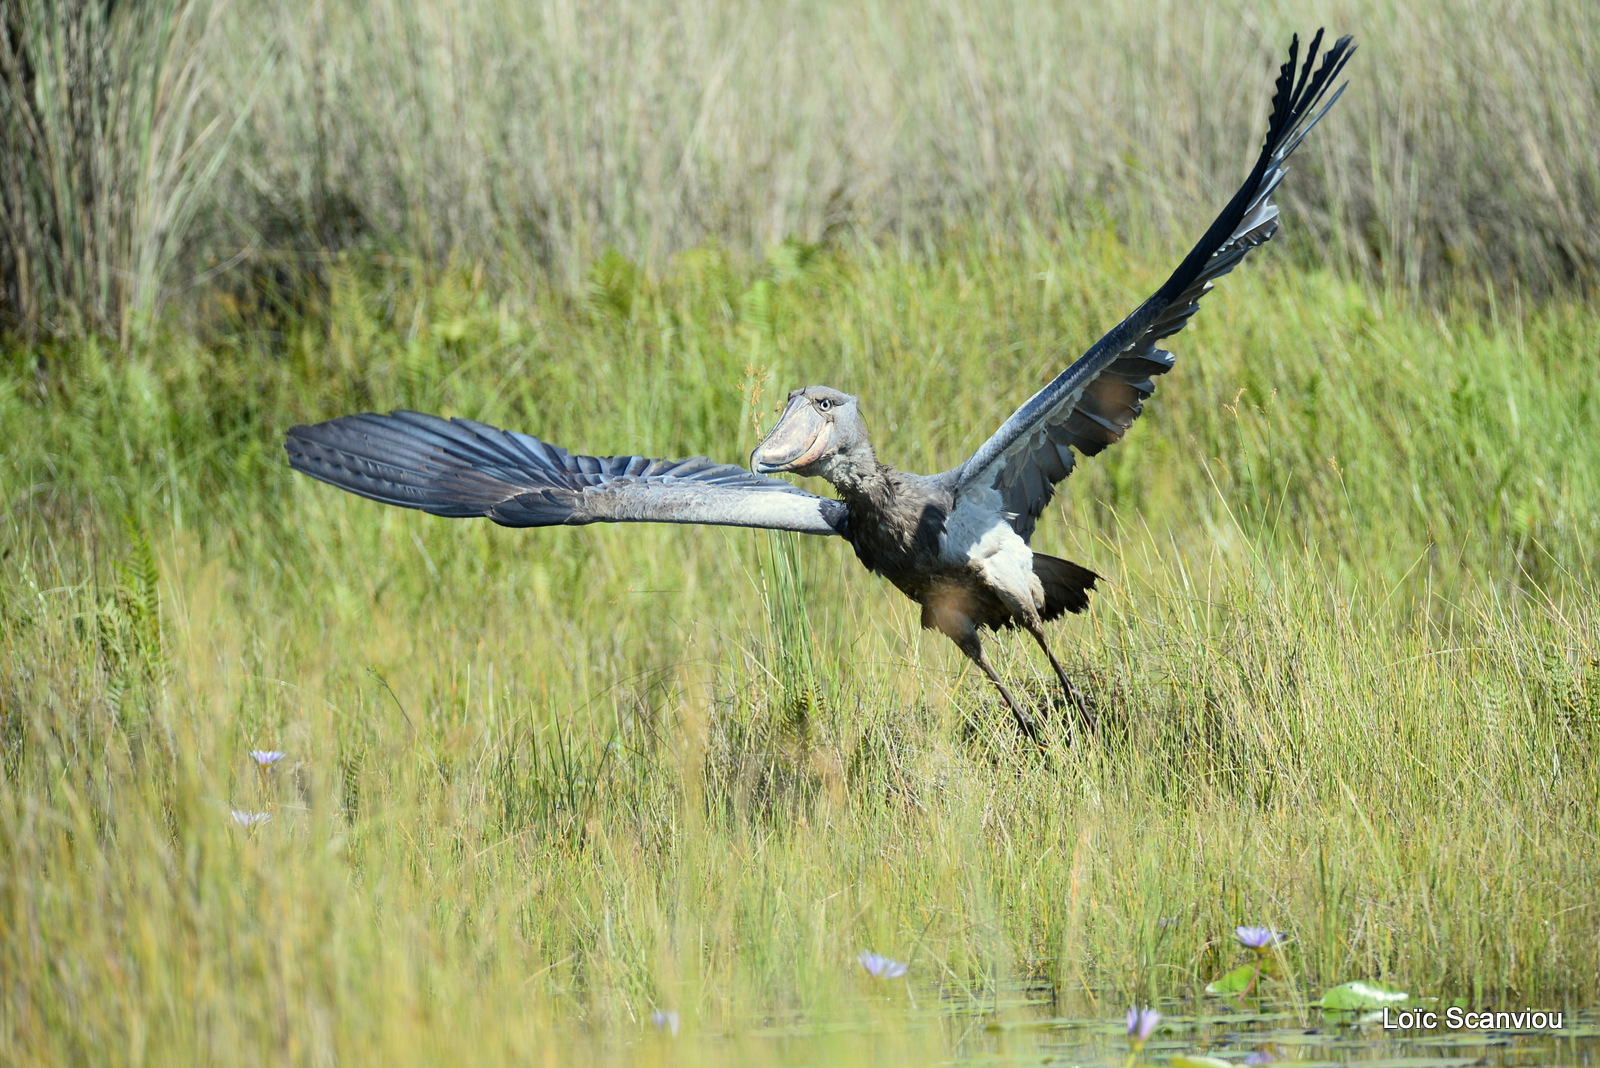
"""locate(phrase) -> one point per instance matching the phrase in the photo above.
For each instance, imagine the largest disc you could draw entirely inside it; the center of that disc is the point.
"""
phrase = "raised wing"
(1093, 403)
(461, 469)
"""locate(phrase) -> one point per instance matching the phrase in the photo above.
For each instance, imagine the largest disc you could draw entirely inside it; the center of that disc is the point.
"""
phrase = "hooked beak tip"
(766, 467)
(799, 439)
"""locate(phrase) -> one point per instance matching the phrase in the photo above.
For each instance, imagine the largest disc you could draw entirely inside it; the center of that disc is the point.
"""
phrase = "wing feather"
(1092, 403)
(463, 469)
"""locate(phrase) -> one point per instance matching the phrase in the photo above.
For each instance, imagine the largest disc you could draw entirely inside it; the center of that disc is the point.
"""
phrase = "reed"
(204, 160)
(530, 138)
(109, 144)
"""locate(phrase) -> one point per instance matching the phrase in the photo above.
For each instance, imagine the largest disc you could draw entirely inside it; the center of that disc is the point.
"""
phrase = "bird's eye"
(824, 404)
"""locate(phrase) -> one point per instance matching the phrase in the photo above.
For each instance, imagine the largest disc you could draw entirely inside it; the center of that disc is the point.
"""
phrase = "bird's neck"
(861, 479)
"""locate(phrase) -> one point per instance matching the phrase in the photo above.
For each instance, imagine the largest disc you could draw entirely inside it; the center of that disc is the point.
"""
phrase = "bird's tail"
(1066, 584)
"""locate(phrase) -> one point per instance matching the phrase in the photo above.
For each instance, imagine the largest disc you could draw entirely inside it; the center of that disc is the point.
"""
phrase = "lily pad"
(1363, 994)
(1235, 982)
(1188, 1060)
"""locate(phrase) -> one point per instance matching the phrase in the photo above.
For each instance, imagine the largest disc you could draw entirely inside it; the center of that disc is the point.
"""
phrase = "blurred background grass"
(183, 150)
(542, 783)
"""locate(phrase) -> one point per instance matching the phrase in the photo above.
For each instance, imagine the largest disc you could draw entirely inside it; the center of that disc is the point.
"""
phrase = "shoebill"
(956, 543)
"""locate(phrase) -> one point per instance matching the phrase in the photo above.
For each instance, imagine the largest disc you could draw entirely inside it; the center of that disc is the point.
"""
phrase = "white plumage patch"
(978, 536)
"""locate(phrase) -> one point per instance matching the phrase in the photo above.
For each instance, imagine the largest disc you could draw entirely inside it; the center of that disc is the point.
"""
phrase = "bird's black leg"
(972, 645)
(1085, 713)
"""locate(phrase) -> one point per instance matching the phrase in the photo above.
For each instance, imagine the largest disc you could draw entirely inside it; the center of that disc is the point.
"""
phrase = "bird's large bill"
(800, 438)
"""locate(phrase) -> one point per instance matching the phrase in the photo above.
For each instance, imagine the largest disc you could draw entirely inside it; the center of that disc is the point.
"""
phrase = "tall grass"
(107, 148)
(542, 783)
(532, 137)
(528, 139)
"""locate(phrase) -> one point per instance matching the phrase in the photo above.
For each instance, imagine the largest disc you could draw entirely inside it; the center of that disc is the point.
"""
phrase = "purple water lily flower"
(250, 820)
(265, 758)
(881, 967)
(1259, 939)
(664, 1021)
(1141, 1025)
(1260, 1056)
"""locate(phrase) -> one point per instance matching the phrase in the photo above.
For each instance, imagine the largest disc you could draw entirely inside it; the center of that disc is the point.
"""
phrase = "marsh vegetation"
(540, 785)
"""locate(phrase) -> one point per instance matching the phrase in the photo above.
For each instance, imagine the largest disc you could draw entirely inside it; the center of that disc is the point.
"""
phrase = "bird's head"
(819, 433)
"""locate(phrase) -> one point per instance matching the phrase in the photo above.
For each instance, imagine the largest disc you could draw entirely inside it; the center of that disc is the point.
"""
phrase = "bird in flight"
(956, 542)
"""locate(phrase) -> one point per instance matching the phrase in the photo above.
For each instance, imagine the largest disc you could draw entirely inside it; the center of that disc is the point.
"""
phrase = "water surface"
(903, 1026)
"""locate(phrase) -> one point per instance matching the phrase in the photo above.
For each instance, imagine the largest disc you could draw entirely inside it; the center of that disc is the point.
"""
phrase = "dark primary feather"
(1093, 403)
(459, 468)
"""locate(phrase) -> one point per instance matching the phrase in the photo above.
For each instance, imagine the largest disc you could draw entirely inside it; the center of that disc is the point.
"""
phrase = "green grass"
(542, 782)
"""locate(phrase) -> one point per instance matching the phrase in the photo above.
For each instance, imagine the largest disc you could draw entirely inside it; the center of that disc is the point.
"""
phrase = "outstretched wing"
(459, 468)
(1093, 403)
